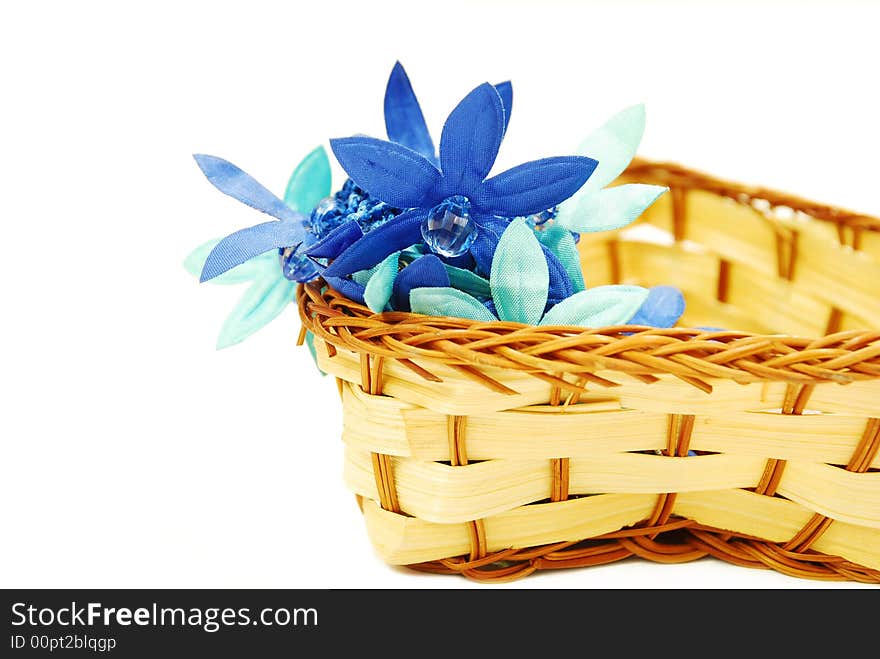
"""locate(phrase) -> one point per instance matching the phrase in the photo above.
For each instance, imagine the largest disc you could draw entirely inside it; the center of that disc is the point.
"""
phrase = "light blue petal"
(611, 208)
(519, 278)
(378, 288)
(598, 307)
(469, 282)
(240, 185)
(245, 244)
(447, 302)
(560, 241)
(613, 144)
(258, 267)
(663, 308)
(310, 182)
(261, 302)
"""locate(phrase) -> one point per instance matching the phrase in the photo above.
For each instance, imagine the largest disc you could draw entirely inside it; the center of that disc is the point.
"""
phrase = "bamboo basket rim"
(695, 355)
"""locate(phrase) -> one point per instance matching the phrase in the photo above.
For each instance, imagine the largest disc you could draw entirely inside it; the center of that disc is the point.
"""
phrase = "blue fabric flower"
(291, 229)
(408, 179)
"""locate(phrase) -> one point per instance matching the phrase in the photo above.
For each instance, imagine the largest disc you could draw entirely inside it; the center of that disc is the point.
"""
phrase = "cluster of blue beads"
(350, 203)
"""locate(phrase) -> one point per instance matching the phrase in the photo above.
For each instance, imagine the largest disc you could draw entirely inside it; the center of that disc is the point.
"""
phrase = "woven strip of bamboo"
(496, 449)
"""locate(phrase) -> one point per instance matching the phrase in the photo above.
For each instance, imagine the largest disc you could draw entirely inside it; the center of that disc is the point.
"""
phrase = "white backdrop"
(133, 453)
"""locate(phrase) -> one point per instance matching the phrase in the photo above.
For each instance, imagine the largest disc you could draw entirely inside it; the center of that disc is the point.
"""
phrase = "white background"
(133, 453)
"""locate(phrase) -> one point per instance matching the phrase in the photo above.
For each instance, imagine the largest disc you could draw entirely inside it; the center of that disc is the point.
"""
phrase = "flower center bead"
(539, 219)
(449, 230)
(323, 216)
(295, 265)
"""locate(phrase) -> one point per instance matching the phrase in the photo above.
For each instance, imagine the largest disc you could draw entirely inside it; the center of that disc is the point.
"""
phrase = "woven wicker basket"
(493, 450)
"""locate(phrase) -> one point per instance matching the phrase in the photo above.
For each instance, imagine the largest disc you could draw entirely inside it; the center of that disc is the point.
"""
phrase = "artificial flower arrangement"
(502, 416)
(414, 230)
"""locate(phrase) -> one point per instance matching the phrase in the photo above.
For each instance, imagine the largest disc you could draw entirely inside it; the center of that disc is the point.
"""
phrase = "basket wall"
(493, 450)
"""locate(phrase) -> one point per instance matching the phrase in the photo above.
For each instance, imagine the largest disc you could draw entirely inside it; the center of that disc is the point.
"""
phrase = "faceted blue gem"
(537, 219)
(449, 230)
(296, 266)
(323, 216)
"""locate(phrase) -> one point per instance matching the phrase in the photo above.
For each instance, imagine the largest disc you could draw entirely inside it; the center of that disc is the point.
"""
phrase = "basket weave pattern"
(493, 450)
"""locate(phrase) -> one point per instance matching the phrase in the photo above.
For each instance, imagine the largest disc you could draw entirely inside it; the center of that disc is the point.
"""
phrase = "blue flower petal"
(489, 230)
(470, 141)
(404, 120)
(663, 307)
(337, 241)
(239, 185)
(533, 186)
(505, 91)
(350, 289)
(390, 172)
(245, 244)
(560, 281)
(427, 270)
(393, 236)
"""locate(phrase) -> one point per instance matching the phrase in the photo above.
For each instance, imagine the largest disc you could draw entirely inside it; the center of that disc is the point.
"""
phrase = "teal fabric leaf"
(380, 284)
(435, 301)
(362, 277)
(469, 282)
(264, 265)
(310, 342)
(613, 144)
(560, 241)
(612, 208)
(310, 182)
(261, 303)
(599, 306)
(519, 278)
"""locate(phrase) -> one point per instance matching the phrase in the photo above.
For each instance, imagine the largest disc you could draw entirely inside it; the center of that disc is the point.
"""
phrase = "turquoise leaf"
(560, 241)
(260, 304)
(469, 282)
(519, 277)
(599, 306)
(264, 265)
(613, 144)
(612, 208)
(310, 182)
(381, 283)
(445, 301)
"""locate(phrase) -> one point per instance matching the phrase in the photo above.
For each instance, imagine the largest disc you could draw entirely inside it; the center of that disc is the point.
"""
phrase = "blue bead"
(323, 216)
(537, 219)
(296, 266)
(449, 230)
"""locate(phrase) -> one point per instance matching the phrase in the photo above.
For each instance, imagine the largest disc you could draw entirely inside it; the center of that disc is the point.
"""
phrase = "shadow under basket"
(493, 450)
